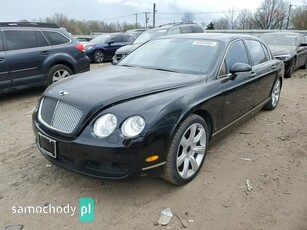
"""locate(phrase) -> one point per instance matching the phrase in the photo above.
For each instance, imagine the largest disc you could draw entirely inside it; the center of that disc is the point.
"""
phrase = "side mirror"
(240, 68)
(303, 44)
(110, 42)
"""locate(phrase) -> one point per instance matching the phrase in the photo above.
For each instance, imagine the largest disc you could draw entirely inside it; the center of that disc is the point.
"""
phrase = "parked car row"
(115, 46)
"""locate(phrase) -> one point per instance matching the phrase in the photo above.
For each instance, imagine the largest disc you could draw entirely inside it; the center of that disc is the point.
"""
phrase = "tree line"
(272, 14)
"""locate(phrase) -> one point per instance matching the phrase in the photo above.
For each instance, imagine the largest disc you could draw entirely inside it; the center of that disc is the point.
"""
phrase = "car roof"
(29, 25)
(213, 36)
(171, 25)
(283, 33)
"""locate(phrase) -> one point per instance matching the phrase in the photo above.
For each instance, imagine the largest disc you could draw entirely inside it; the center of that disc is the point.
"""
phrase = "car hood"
(127, 49)
(281, 50)
(110, 85)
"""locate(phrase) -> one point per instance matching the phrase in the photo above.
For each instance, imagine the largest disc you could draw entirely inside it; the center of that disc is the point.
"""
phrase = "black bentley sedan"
(156, 111)
(289, 47)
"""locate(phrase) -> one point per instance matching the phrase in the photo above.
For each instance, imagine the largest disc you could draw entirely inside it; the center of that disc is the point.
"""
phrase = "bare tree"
(271, 15)
(221, 24)
(245, 20)
(299, 18)
(188, 18)
(231, 17)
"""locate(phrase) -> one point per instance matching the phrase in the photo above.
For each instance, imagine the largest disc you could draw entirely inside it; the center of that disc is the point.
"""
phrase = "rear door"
(5, 81)
(26, 52)
(264, 69)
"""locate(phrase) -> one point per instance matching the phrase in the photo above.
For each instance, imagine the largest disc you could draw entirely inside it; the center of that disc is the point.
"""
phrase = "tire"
(274, 97)
(98, 56)
(290, 71)
(187, 151)
(58, 72)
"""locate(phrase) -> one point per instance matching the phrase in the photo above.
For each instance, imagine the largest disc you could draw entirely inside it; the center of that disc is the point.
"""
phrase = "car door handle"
(253, 74)
(2, 59)
(45, 53)
(273, 66)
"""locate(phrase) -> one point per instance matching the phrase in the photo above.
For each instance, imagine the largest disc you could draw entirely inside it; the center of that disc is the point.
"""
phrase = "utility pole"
(288, 16)
(154, 16)
(136, 20)
(146, 18)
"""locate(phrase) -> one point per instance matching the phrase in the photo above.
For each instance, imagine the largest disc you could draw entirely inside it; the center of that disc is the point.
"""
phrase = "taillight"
(80, 47)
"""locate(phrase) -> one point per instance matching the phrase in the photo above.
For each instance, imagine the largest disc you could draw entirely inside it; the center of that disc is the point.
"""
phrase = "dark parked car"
(34, 54)
(103, 47)
(173, 28)
(156, 111)
(291, 48)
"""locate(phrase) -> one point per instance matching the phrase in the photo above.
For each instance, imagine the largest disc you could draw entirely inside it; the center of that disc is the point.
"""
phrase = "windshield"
(100, 39)
(150, 34)
(194, 56)
(279, 39)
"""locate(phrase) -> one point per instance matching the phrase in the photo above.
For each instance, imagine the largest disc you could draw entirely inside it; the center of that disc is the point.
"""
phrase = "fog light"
(152, 158)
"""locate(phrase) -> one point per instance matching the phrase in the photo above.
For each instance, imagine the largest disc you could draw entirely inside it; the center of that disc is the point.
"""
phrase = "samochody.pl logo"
(86, 209)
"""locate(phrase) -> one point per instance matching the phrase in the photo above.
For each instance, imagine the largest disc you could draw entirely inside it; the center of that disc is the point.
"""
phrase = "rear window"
(186, 29)
(198, 29)
(55, 38)
(19, 39)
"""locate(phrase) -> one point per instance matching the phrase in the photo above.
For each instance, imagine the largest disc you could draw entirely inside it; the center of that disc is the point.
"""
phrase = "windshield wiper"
(127, 65)
(166, 70)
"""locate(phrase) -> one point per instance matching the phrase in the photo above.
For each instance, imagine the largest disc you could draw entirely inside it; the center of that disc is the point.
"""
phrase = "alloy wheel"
(99, 56)
(60, 74)
(191, 150)
(275, 93)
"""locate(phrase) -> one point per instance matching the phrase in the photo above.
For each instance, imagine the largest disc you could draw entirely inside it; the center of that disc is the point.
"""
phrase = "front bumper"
(120, 161)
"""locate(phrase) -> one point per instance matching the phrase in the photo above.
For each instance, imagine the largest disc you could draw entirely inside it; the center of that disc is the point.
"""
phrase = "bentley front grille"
(59, 115)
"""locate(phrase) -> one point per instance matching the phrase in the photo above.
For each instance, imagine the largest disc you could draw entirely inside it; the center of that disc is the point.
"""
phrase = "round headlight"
(133, 126)
(105, 125)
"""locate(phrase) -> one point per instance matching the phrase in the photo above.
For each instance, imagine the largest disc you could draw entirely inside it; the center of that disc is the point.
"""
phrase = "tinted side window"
(19, 39)
(186, 29)
(236, 53)
(55, 38)
(1, 42)
(256, 52)
(127, 38)
(117, 38)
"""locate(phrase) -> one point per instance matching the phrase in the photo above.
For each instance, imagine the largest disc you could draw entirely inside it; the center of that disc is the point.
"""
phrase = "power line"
(123, 16)
(208, 12)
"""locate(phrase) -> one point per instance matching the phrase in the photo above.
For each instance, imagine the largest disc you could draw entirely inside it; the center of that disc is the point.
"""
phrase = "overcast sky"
(123, 10)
